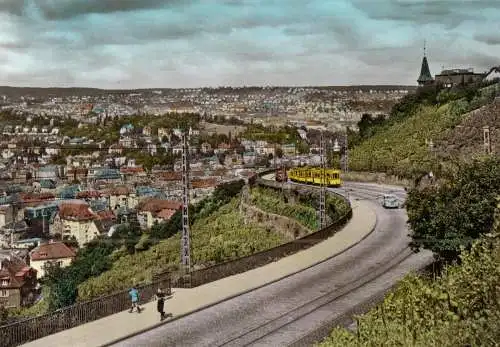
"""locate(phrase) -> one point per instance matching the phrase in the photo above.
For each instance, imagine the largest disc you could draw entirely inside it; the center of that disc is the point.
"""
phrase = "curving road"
(284, 312)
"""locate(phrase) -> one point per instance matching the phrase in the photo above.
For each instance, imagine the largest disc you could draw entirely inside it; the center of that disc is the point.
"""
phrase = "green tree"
(63, 286)
(167, 229)
(454, 214)
(302, 147)
(90, 261)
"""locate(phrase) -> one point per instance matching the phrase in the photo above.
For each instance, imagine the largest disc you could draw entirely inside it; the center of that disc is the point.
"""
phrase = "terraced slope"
(466, 139)
(403, 148)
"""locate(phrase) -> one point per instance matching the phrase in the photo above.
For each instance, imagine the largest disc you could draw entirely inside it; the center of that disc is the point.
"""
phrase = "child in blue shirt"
(134, 297)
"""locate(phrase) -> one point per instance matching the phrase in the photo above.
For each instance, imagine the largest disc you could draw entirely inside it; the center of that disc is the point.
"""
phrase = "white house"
(54, 253)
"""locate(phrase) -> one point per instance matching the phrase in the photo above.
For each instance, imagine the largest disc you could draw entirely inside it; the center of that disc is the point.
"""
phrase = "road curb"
(159, 324)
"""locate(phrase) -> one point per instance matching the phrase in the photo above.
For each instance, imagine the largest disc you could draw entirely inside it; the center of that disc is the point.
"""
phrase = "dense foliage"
(336, 207)
(444, 218)
(461, 307)
(167, 229)
(222, 194)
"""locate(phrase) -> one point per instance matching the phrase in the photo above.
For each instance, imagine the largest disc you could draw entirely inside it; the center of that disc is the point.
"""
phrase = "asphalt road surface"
(283, 312)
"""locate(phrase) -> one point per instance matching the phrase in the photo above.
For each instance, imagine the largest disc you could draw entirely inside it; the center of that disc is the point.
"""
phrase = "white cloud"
(153, 43)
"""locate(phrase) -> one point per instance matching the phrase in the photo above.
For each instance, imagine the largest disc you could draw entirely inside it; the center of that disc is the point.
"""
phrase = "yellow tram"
(312, 175)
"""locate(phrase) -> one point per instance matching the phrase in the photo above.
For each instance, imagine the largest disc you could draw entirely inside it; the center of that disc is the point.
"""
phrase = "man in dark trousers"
(160, 297)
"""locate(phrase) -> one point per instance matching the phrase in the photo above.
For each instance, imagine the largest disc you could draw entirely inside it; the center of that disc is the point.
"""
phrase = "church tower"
(425, 74)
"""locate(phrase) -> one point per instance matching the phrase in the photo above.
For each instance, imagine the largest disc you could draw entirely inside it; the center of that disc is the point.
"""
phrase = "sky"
(125, 44)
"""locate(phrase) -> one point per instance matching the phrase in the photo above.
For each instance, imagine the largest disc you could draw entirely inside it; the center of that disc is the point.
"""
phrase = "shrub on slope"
(271, 201)
(466, 139)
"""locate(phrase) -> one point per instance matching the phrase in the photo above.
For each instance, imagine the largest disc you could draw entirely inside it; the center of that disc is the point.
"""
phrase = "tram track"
(270, 327)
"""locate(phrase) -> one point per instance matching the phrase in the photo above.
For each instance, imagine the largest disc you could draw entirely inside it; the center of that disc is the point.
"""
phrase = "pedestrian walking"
(134, 298)
(160, 297)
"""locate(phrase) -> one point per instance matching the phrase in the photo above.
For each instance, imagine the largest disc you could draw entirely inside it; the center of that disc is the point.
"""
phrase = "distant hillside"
(77, 91)
(400, 145)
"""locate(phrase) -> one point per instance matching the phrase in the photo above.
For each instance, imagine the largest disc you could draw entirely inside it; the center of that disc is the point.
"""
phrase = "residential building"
(6, 214)
(153, 210)
(50, 253)
(17, 282)
(205, 148)
(75, 219)
(121, 196)
(458, 77)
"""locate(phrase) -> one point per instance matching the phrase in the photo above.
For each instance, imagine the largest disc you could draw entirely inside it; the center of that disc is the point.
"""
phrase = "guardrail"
(37, 327)
(236, 266)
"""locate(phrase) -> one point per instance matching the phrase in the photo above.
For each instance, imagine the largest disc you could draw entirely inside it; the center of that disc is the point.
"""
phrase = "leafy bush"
(63, 282)
(447, 217)
(222, 194)
(166, 229)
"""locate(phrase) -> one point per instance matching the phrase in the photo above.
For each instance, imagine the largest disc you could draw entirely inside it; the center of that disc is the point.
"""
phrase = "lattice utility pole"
(185, 242)
(322, 193)
(486, 139)
(346, 155)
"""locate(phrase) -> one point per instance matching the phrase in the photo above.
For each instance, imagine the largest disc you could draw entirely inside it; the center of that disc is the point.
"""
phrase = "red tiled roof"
(156, 205)
(14, 270)
(170, 176)
(132, 170)
(79, 171)
(22, 272)
(204, 183)
(165, 214)
(120, 190)
(56, 250)
(74, 211)
(36, 197)
(107, 214)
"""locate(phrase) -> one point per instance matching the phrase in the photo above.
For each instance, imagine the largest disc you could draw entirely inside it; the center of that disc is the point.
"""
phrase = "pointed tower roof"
(425, 73)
